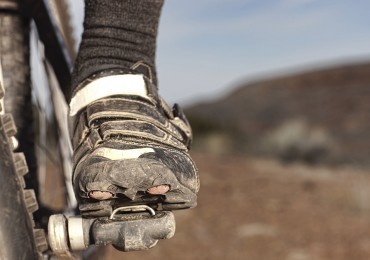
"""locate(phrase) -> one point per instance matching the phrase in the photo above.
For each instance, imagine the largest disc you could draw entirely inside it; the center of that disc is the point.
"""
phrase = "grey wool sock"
(117, 34)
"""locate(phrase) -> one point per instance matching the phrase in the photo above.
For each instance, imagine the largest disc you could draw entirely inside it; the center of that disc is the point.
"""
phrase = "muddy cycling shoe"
(129, 147)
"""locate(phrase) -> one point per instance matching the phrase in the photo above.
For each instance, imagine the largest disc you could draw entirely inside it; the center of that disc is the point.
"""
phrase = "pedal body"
(134, 231)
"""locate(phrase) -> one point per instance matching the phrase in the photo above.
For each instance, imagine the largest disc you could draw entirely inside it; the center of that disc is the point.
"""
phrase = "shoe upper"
(126, 142)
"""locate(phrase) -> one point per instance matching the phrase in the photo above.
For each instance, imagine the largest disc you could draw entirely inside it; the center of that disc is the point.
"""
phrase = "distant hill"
(317, 116)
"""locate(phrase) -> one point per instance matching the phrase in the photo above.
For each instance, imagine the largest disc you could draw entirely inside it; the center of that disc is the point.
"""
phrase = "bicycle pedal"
(129, 228)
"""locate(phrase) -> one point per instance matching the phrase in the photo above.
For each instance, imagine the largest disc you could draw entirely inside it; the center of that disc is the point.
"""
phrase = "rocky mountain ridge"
(315, 116)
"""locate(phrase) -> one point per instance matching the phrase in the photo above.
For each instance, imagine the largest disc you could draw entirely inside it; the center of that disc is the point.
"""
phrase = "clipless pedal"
(129, 228)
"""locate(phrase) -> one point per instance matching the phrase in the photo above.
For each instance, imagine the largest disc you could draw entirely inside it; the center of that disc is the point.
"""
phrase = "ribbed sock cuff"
(117, 34)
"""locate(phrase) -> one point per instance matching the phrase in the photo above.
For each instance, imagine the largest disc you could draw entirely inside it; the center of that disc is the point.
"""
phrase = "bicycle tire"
(20, 238)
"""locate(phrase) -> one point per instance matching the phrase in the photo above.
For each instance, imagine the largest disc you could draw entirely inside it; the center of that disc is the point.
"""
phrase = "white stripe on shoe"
(127, 84)
(116, 154)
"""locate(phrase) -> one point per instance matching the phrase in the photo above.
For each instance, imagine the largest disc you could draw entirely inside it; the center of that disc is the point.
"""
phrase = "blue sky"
(207, 47)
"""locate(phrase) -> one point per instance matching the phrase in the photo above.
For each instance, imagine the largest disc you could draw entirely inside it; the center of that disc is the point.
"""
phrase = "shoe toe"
(127, 177)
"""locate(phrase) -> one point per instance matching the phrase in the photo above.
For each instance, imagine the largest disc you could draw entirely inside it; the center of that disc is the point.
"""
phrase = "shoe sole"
(104, 208)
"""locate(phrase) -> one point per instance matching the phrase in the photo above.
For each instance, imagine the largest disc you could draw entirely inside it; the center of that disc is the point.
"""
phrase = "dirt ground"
(260, 209)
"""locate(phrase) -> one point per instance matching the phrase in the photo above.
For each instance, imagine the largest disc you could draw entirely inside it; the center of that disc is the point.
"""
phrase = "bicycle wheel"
(38, 144)
(19, 238)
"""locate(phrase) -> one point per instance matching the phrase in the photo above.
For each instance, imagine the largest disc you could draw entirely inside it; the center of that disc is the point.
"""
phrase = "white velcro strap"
(116, 154)
(127, 84)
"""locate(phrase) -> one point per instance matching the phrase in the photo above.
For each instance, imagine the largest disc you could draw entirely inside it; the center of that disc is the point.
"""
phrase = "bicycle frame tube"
(50, 35)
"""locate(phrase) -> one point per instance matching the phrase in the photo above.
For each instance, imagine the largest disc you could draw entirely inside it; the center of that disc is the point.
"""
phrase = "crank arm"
(125, 231)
